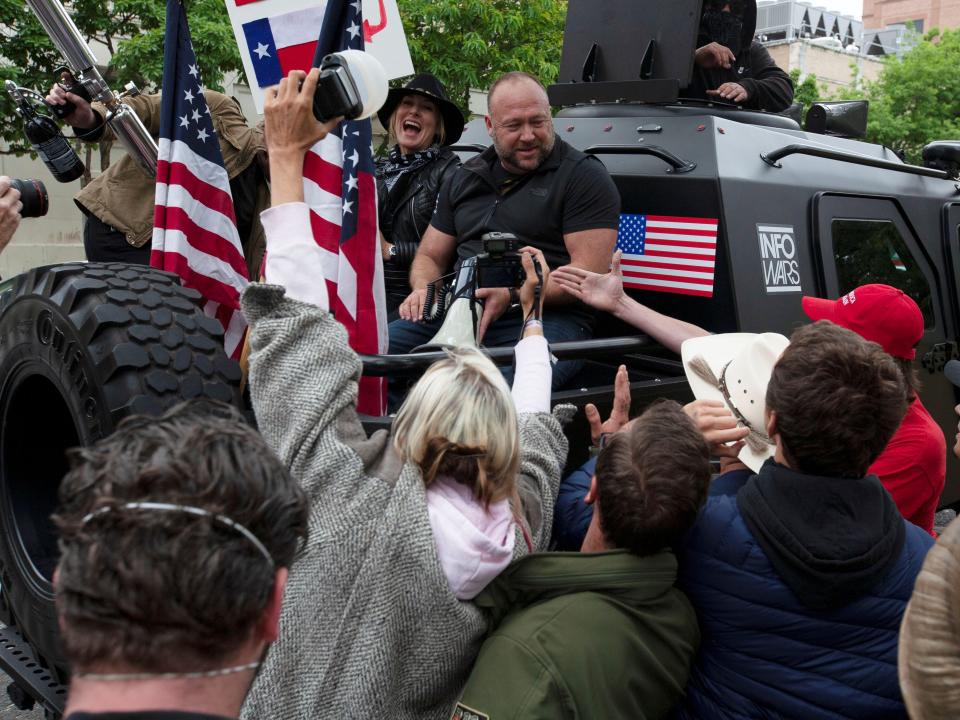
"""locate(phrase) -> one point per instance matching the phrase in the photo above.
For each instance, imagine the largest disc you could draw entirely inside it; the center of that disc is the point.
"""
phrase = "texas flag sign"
(277, 36)
(282, 43)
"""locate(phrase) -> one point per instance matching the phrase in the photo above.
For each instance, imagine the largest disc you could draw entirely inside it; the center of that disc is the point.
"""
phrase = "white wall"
(56, 237)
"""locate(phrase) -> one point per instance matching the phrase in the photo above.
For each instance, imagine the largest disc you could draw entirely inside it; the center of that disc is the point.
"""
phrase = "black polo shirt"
(569, 192)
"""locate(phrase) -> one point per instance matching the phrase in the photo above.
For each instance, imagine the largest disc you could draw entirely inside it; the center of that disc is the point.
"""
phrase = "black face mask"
(725, 28)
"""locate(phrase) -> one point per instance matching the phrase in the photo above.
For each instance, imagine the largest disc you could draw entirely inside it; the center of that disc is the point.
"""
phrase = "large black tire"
(81, 347)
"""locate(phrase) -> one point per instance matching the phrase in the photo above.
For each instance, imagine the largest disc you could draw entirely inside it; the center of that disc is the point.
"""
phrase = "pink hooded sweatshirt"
(476, 544)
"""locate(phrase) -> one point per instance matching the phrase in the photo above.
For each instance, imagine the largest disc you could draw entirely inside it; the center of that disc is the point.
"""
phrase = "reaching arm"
(303, 374)
(88, 120)
(668, 331)
(589, 250)
(531, 382)
(605, 292)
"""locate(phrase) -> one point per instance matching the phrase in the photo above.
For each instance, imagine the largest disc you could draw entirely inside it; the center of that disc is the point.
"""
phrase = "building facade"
(924, 14)
(786, 20)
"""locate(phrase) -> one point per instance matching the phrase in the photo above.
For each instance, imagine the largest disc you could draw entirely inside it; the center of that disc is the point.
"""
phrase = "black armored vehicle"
(775, 212)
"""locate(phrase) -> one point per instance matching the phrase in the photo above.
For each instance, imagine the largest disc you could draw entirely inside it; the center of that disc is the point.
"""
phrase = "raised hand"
(528, 289)
(718, 426)
(603, 292)
(619, 415)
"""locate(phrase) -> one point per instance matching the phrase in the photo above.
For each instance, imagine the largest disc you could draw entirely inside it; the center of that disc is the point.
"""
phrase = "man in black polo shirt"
(535, 186)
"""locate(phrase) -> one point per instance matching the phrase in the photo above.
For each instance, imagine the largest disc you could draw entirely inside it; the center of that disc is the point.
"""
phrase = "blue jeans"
(406, 335)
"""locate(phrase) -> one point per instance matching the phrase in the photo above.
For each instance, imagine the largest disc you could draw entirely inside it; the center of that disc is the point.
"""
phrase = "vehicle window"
(873, 251)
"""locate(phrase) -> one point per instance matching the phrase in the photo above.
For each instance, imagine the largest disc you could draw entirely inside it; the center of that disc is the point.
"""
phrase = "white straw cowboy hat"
(735, 369)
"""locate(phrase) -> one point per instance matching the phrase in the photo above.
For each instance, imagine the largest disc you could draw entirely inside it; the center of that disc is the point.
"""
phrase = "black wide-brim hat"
(427, 85)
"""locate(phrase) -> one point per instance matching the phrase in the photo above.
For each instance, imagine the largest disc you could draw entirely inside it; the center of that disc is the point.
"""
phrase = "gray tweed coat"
(370, 627)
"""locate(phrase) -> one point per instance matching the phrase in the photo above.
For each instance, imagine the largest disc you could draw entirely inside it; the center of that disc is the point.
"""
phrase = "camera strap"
(537, 291)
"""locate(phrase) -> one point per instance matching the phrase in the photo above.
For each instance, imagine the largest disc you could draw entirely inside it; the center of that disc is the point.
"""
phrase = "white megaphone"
(459, 328)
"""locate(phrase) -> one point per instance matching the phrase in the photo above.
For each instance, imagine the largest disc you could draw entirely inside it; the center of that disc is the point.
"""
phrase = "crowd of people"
(446, 568)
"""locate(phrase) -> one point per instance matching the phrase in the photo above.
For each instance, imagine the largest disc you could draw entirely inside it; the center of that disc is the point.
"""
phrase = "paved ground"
(8, 711)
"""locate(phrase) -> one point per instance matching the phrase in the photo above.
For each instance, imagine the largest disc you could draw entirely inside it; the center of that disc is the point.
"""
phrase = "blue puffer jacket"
(765, 653)
(572, 515)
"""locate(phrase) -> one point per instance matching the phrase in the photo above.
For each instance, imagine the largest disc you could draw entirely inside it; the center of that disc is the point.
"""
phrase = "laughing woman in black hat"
(422, 122)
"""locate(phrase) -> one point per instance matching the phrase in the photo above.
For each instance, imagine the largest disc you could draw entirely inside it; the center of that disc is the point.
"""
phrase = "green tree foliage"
(468, 43)
(131, 31)
(916, 99)
(805, 92)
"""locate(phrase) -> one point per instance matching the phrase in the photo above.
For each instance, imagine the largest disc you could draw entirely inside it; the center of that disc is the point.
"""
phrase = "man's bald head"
(519, 122)
(511, 78)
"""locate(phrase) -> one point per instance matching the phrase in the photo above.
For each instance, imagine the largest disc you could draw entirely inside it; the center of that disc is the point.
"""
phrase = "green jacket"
(593, 635)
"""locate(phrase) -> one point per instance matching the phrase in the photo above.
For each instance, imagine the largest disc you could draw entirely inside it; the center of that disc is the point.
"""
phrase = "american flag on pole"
(668, 254)
(339, 187)
(194, 226)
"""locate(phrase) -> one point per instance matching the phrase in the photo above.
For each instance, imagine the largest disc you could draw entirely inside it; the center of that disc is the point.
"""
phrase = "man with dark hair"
(531, 184)
(800, 573)
(176, 534)
(602, 633)
(913, 466)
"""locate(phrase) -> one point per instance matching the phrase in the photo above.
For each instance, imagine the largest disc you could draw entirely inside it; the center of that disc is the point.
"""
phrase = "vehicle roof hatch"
(601, 62)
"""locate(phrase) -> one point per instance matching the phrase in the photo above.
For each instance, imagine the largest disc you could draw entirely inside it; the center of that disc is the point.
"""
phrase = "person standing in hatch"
(731, 66)
(423, 122)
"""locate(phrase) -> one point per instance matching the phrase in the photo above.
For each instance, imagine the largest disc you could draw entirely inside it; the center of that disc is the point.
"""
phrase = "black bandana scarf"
(397, 164)
(725, 28)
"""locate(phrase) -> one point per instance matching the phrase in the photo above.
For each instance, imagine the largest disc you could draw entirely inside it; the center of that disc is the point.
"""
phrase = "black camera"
(352, 85)
(33, 195)
(499, 264)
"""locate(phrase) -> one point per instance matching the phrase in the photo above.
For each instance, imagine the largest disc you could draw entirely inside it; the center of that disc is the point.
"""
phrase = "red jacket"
(913, 466)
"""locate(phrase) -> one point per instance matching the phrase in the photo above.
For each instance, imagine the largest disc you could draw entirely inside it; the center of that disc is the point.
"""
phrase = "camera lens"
(33, 195)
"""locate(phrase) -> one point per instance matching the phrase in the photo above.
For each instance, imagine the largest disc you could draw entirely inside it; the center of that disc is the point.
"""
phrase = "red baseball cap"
(879, 313)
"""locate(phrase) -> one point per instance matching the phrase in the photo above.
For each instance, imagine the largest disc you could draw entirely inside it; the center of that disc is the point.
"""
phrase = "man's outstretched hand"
(412, 308)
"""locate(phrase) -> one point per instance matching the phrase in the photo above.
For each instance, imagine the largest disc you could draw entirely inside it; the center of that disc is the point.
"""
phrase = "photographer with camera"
(10, 207)
(535, 186)
(406, 526)
(118, 205)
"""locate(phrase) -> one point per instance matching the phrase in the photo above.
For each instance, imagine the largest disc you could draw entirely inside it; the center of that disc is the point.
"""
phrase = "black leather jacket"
(404, 214)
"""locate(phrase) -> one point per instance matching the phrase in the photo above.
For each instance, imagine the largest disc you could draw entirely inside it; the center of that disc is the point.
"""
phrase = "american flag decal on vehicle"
(668, 254)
